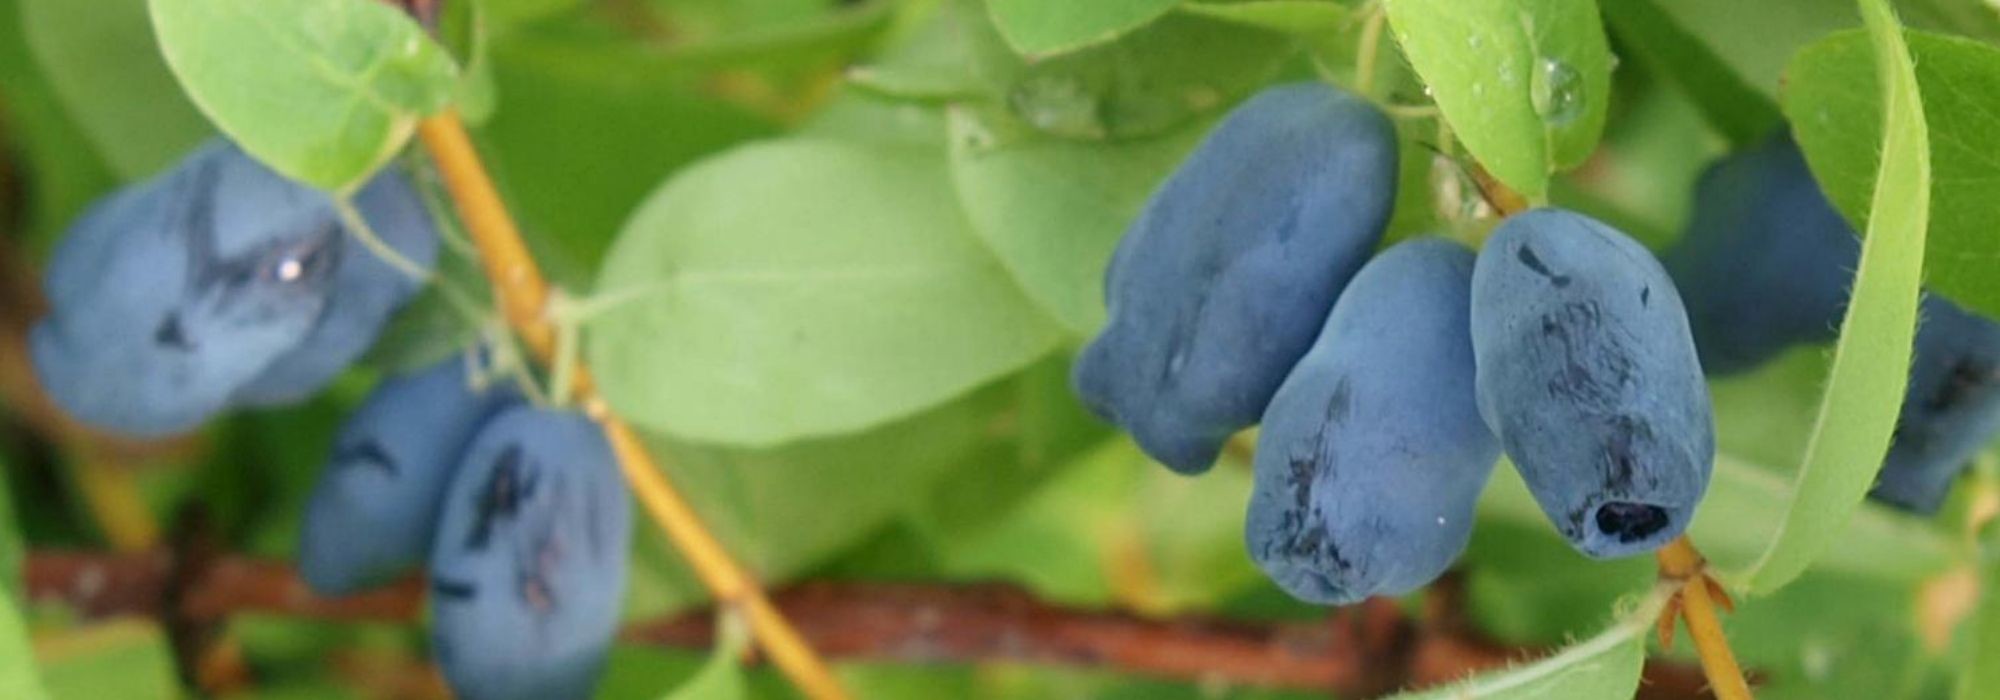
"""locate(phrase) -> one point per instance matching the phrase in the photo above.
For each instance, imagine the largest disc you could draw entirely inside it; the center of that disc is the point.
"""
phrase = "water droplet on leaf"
(1059, 105)
(1557, 92)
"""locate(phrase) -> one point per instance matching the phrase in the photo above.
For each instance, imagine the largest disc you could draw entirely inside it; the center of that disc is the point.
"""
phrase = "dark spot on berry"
(1630, 522)
(1968, 376)
(453, 590)
(366, 453)
(171, 334)
(509, 485)
(1534, 262)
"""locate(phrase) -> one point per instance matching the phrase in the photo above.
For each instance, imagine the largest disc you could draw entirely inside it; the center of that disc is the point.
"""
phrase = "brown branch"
(1358, 651)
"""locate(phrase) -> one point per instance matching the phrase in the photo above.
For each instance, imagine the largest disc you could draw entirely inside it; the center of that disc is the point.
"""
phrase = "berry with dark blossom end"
(1588, 375)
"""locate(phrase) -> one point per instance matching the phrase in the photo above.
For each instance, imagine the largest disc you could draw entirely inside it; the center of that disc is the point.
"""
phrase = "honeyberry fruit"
(1372, 455)
(1588, 375)
(373, 514)
(172, 294)
(1221, 283)
(1765, 261)
(217, 283)
(528, 569)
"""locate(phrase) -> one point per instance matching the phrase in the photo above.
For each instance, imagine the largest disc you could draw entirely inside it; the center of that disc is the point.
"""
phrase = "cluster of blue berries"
(518, 513)
(1249, 291)
(236, 287)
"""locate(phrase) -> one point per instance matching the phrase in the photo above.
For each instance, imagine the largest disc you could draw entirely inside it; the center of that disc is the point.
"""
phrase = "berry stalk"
(1694, 604)
(523, 298)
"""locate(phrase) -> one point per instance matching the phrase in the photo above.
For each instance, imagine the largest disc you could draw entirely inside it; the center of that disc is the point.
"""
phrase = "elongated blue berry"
(1588, 375)
(528, 569)
(1372, 455)
(1765, 261)
(1222, 282)
(172, 294)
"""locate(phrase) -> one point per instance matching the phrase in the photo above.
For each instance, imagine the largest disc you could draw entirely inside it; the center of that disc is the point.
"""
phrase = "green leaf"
(1053, 209)
(1835, 105)
(18, 678)
(722, 677)
(1304, 17)
(1150, 82)
(1864, 388)
(1524, 83)
(101, 59)
(1043, 27)
(804, 288)
(1734, 108)
(324, 91)
(128, 660)
(1604, 666)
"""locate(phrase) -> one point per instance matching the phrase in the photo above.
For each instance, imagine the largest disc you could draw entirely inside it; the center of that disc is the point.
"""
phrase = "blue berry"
(1220, 285)
(1765, 261)
(1372, 455)
(528, 568)
(218, 283)
(1588, 375)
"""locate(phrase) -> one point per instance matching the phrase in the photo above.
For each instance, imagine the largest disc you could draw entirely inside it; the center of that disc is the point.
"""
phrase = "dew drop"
(1557, 92)
(1059, 105)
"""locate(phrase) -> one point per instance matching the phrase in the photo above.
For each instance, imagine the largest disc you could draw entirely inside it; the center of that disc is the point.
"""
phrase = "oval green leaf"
(105, 67)
(324, 91)
(1043, 27)
(1835, 104)
(1524, 83)
(1864, 388)
(1053, 209)
(804, 288)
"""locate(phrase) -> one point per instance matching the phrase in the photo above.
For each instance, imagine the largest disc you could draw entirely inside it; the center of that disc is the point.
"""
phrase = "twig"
(1358, 651)
(523, 296)
(1696, 603)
